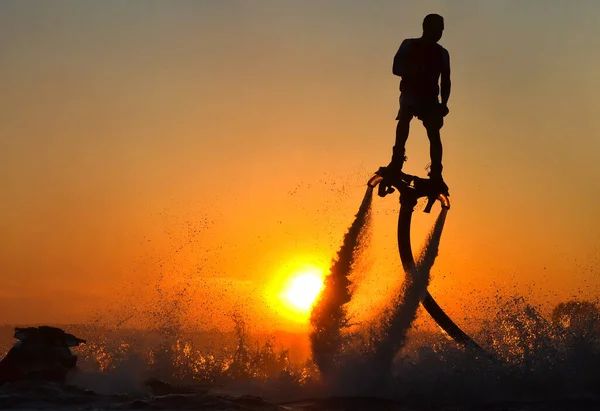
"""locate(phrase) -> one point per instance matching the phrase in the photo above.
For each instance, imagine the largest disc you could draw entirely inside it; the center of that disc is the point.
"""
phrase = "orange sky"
(216, 142)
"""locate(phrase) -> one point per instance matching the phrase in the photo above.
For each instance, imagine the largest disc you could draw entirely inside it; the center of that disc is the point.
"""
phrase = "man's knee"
(403, 125)
(433, 124)
(433, 133)
(405, 115)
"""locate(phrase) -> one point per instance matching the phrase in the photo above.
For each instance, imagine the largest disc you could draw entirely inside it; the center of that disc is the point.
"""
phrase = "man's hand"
(445, 110)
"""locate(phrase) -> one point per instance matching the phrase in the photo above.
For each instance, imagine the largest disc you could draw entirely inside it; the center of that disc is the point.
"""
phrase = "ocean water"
(532, 362)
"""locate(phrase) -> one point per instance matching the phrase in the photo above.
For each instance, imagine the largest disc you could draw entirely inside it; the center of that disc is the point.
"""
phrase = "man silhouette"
(421, 62)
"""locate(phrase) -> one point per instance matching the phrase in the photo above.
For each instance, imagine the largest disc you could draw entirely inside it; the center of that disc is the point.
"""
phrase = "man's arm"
(400, 60)
(445, 83)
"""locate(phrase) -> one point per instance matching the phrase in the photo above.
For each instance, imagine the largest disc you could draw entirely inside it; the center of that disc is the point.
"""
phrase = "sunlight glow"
(295, 285)
(304, 289)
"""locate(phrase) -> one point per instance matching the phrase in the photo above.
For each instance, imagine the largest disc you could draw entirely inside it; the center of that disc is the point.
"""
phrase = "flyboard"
(412, 188)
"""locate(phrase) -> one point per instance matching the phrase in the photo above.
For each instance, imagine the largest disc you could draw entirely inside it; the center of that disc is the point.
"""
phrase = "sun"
(304, 289)
(294, 288)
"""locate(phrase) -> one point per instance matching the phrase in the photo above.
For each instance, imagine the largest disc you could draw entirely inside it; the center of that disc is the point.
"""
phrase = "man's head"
(433, 26)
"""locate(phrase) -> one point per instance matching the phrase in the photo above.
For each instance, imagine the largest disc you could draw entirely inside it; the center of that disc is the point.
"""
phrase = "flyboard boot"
(391, 178)
(392, 173)
(435, 175)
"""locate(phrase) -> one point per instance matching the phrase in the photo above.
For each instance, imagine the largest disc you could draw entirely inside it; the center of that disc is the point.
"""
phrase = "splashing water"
(364, 364)
(328, 317)
(396, 322)
(545, 360)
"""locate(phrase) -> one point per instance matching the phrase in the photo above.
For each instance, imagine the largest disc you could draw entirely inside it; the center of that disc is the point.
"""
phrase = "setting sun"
(304, 289)
(295, 286)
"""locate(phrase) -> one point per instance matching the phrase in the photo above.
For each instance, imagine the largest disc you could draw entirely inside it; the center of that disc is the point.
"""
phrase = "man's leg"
(435, 151)
(433, 120)
(402, 130)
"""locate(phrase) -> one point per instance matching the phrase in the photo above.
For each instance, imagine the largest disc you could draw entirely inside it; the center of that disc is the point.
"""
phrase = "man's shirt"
(420, 64)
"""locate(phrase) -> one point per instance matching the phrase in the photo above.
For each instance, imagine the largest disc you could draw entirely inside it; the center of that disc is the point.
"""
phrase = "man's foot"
(434, 171)
(398, 159)
(391, 174)
(435, 175)
(443, 187)
(439, 183)
(395, 166)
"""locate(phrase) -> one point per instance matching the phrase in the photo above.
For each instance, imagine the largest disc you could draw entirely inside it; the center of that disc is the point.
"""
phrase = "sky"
(216, 145)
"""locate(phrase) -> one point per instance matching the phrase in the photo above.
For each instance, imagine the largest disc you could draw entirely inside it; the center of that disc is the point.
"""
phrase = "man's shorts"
(429, 111)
